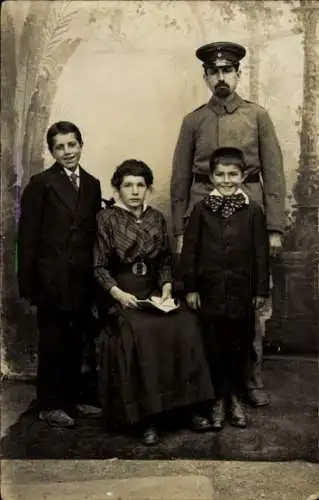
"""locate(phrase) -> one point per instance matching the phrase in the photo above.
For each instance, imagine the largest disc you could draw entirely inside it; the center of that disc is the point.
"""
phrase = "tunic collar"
(221, 105)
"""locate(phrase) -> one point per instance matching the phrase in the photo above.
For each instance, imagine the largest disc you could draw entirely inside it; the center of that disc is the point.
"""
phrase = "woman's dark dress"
(150, 362)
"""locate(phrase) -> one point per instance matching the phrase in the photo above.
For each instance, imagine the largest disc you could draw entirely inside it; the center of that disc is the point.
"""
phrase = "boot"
(218, 414)
(258, 397)
(238, 415)
(56, 418)
(150, 436)
(200, 424)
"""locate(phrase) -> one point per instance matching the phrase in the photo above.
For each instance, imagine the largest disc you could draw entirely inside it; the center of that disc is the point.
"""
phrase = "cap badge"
(219, 63)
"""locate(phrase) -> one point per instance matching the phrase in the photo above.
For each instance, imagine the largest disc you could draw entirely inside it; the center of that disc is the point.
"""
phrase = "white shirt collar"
(70, 172)
(215, 192)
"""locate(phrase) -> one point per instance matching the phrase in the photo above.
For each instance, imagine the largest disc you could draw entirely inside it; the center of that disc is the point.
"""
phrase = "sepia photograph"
(159, 249)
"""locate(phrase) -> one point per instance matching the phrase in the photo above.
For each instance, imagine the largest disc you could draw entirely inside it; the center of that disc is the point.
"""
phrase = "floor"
(145, 479)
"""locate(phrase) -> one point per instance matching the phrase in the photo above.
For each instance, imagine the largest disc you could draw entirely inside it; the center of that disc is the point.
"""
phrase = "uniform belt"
(204, 179)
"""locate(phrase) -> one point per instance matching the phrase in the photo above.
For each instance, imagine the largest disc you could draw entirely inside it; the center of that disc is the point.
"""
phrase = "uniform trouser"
(227, 344)
(59, 358)
(254, 369)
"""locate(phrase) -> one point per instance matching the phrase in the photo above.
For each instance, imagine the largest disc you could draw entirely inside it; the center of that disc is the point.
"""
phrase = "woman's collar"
(120, 204)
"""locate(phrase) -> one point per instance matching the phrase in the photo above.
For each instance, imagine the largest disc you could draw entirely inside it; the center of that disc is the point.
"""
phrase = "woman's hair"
(132, 167)
(62, 128)
(227, 156)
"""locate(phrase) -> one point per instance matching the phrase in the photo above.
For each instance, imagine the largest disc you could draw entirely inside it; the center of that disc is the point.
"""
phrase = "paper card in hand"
(155, 303)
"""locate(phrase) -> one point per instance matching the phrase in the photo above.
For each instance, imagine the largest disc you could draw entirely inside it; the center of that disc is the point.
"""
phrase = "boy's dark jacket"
(56, 233)
(226, 260)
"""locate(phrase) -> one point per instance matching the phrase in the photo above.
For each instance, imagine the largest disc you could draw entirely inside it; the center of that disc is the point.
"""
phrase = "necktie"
(73, 179)
(226, 205)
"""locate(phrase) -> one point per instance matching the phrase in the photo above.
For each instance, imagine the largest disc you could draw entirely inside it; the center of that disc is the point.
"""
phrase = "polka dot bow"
(226, 205)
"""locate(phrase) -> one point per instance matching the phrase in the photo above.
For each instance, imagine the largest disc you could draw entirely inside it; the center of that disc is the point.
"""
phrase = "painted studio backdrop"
(125, 72)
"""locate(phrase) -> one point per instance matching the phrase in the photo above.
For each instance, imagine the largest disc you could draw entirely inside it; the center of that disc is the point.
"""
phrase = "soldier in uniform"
(227, 120)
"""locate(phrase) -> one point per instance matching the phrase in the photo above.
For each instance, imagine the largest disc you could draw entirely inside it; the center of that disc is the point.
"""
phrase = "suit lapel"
(64, 188)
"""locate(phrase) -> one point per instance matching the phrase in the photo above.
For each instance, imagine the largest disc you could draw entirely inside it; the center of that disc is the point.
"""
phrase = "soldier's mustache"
(222, 89)
(221, 85)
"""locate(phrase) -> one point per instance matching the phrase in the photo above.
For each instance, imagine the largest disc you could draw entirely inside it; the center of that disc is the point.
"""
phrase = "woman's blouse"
(122, 238)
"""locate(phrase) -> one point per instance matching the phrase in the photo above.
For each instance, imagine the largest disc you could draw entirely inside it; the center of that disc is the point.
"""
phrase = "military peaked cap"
(220, 54)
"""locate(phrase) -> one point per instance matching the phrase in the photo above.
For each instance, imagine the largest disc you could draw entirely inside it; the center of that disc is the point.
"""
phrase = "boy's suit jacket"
(55, 239)
(226, 260)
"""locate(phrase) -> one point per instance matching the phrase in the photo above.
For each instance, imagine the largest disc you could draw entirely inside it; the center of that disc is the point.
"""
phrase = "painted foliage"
(125, 72)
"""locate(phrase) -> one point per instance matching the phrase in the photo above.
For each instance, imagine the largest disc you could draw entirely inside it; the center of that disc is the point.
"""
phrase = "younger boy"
(226, 277)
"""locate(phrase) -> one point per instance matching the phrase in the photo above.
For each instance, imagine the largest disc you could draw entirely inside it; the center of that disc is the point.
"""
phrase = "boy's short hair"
(62, 128)
(227, 156)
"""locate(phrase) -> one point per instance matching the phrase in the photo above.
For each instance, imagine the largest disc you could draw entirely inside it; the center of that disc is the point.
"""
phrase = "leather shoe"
(150, 436)
(257, 398)
(56, 418)
(218, 414)
(88, 410)
(238, 416)
(200, 424)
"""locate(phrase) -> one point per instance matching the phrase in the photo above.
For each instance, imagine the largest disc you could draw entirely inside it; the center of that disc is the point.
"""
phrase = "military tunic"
(234, 123)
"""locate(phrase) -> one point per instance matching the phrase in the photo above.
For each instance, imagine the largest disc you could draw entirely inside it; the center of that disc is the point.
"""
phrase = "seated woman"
(150, 361)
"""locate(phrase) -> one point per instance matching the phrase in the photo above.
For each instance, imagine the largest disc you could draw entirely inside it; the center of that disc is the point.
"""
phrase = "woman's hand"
(166, 292)
(193, 300)
(127, 300)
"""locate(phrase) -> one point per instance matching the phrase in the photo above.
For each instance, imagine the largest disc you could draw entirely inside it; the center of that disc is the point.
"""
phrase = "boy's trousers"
(227, 344)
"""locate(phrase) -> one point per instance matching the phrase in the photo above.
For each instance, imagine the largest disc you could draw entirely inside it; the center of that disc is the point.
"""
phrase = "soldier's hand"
(179, 244)
(28, 306)
(275, 244)
(259, 302)
(193, 300)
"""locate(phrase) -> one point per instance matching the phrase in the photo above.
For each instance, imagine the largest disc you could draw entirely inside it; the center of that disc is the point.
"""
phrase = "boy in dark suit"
(55, 243)
(226, 277)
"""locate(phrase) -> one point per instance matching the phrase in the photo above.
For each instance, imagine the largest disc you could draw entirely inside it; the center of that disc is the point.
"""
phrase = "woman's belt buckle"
(139, 268)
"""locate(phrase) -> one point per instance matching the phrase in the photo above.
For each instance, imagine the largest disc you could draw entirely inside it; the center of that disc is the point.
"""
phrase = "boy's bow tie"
(226, 205)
